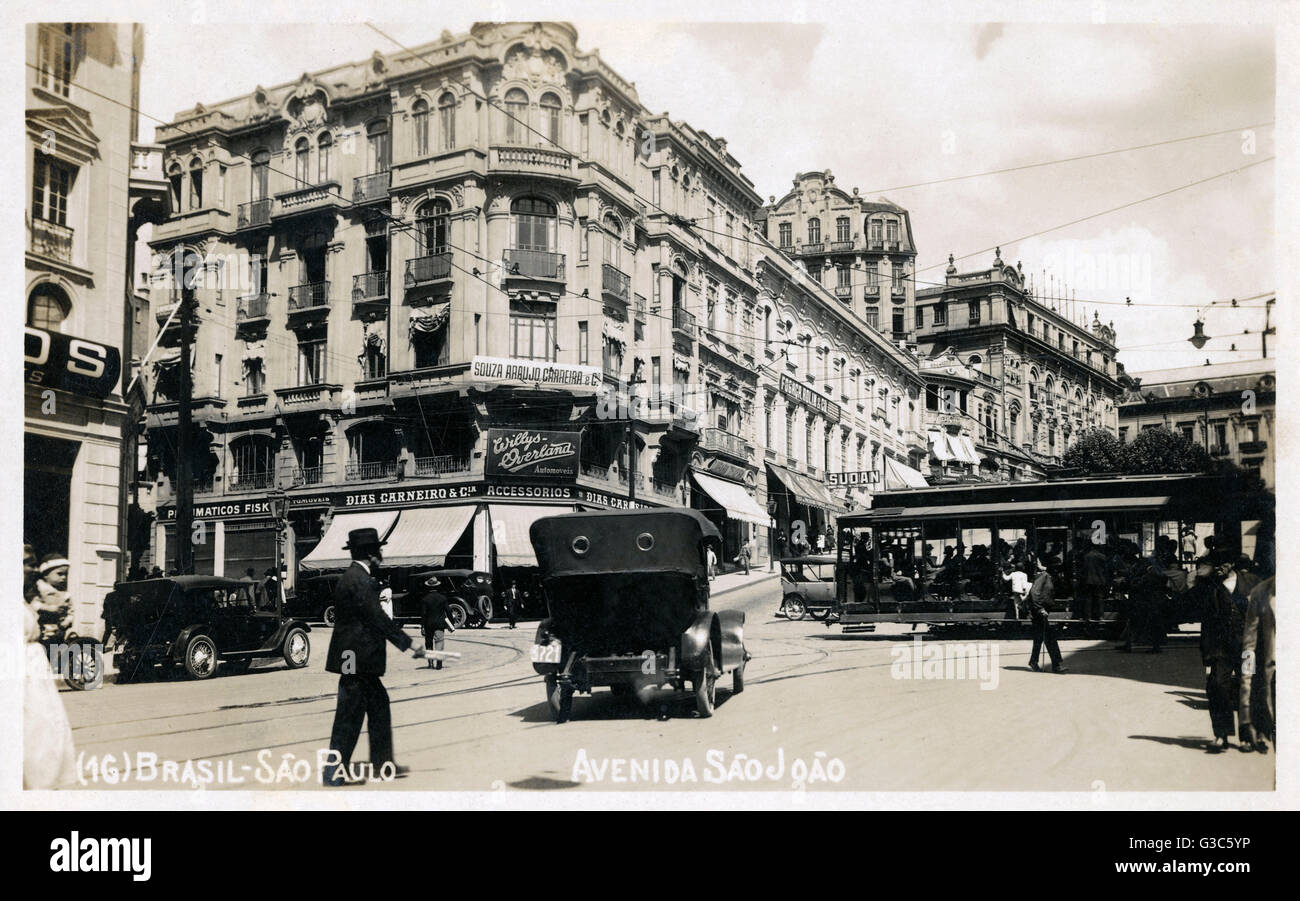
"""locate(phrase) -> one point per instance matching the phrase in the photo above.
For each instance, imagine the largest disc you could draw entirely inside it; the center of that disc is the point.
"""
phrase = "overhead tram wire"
(691, 222)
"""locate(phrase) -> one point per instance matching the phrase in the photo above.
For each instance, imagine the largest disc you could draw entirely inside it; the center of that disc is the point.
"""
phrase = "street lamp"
(1198, 338)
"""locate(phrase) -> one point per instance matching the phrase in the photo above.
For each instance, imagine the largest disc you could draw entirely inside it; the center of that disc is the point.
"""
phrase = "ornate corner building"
(1011, 379)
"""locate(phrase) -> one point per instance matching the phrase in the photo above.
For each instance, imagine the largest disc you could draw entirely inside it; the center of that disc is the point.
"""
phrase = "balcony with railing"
(426, 273)
(533, 265)
(898, 289)
(615, 285)
(254, 214)
(369, 188)
(1252, 447)
(50, 240)
(308, 199)
(683, 322)
(840, 246)
(252, 309)
(809, 249)
(370, 295)
(309, 297)
(722, 441)
(309, 397)
(639, 308)
(443, 465)
(844, 292)
(361, 472)
(545, 161)
(251, 481)
(308, 475)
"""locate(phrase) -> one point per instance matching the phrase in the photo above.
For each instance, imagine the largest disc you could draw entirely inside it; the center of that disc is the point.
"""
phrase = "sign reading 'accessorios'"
(532, 453)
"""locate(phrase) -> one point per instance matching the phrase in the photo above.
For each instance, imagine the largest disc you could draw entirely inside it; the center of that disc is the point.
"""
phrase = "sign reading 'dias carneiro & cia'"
(55, 360)
(532, 453)
(535, 372)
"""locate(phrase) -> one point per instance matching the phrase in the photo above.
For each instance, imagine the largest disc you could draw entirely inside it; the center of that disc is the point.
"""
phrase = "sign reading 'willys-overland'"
(534, 372)
(532, 453)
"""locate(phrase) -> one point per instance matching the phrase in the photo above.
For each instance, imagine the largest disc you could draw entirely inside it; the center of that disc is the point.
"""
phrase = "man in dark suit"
(1042, 595)
(1094, 578)
(1225, 594)
(512, 603)
(357, 653)
(435, 622)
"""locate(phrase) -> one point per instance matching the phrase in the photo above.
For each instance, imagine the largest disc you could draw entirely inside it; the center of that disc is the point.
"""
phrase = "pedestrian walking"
(1225, 596)
(386, 599)
(743, 557)
(1042, 595)
(712, 558)
(357, 653)
(435, 624)
(512, 603)
(1258, 697)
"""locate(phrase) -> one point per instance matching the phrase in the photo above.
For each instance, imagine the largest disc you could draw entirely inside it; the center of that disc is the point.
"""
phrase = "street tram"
(942, 554)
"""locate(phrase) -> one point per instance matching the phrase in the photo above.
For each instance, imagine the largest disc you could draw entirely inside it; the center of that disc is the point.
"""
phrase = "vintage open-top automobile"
(628, 595)
(199, 623)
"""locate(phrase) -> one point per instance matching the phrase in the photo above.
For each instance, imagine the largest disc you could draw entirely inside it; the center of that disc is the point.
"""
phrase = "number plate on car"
(546, 653)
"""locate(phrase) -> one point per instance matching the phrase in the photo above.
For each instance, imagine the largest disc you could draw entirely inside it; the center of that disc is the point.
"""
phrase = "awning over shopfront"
(968, 452)
(900, 475)
(733, 498)
(939, 446)
(425, 535)
(510, 524)
(329, 554)
(805, 490)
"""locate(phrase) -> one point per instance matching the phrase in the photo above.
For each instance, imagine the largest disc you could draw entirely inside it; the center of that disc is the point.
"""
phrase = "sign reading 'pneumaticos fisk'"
(532, 453)
(534, 372)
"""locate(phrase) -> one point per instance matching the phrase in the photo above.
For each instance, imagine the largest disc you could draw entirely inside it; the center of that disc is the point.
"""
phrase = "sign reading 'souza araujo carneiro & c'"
(535, 372)
(532, 453)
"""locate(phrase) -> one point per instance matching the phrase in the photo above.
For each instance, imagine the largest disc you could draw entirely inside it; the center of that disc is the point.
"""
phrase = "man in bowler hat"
(357, 654)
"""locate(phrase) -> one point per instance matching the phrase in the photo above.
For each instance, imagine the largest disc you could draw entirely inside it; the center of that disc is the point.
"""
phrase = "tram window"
(1012, 542)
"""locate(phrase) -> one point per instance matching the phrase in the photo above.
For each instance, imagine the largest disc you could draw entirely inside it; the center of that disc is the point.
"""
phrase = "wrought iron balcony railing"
(441, 465)
(541, 264)
(254, 214)
(50, 239)
(424, 270)
(684, 322)
(615, 284)
(309, 296)
(356, 472)
(309, 475)
(252, 306)
(369, 286)
(366, 188)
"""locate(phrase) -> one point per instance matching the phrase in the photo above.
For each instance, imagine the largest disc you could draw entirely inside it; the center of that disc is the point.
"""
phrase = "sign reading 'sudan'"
(535, 372)
(532, 453)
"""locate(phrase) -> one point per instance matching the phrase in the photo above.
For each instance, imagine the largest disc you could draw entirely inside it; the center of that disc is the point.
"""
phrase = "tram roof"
(1173, 492)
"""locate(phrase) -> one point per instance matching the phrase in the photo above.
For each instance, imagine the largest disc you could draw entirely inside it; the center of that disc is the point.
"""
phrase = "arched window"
(974, 361)
(613, 239)
(261, 171)
(534, 223)
(302, 162)
(447, 120)
(1049, 390)
(325, 158)
(551, 118)
(373, 449)
(432, 224)
(420, 126)
(47, 307)
(516, 116)
(177, 178)
(377, 147)
(814, 231)
(196, 184)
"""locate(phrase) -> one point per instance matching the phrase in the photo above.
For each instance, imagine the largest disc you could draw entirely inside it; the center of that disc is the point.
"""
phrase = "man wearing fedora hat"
(358, 655)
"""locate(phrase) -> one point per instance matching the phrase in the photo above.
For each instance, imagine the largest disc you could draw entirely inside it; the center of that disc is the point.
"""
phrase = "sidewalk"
(738, 580)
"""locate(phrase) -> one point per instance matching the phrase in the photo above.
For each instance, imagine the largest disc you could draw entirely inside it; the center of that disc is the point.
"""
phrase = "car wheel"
(560, 698)
(706, 684)
(84, 666)
(738, 677)
(484, 610)
(794, 608)
(327, 615)
(819, 613)
(457, 613)
(201, 657)
(297, 649)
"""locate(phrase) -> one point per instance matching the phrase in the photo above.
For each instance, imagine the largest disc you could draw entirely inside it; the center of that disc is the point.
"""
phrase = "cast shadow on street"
(603, 704)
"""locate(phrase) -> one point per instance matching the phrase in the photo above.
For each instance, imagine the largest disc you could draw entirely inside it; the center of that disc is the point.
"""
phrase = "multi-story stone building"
(841, 405)
(87, 189)
(1010, 379)
(861, 250)
(1228, 408)
(421, 269)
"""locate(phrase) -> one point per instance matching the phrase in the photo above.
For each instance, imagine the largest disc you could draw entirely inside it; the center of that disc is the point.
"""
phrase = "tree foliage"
(1151, 451)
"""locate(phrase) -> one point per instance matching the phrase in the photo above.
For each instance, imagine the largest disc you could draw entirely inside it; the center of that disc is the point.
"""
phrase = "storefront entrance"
(47, 489)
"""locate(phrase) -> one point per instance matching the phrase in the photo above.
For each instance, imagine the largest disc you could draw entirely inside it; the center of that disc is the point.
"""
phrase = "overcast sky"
(887, 105)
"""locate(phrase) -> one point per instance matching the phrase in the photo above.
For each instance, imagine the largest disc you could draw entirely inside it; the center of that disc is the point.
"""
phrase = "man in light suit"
(358, 654)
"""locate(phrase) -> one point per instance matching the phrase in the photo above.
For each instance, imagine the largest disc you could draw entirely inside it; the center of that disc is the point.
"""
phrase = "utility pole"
(184, 427)
(630, 432)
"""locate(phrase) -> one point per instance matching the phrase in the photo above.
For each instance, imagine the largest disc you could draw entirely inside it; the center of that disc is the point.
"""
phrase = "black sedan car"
(198, 624)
